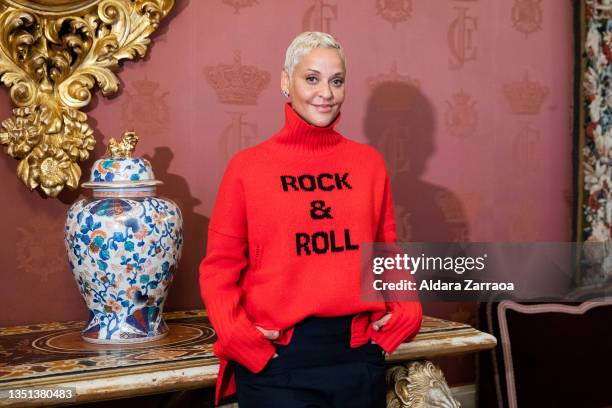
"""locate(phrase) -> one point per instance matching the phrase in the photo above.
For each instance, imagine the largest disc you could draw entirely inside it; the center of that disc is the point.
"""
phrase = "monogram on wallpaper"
(526, 149)
(318, 16)
(238, 134)
(460, 37)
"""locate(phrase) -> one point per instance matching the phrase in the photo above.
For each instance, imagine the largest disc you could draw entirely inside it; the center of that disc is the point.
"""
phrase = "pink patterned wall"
(470, 102)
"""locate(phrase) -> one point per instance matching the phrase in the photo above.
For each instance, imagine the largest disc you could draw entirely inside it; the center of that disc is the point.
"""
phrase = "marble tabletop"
(52, 356)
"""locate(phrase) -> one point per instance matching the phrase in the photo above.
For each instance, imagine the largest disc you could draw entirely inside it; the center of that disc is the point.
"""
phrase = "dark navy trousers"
(317, 369)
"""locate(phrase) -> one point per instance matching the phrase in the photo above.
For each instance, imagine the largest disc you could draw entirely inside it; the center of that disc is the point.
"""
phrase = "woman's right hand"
(270, 335)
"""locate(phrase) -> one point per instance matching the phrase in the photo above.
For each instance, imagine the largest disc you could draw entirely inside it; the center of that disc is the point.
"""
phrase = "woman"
(280, 279)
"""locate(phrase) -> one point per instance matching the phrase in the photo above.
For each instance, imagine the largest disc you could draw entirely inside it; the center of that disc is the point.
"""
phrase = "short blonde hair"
(306, 42)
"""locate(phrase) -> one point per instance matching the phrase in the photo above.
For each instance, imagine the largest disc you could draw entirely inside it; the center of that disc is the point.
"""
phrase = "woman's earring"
(285, 93)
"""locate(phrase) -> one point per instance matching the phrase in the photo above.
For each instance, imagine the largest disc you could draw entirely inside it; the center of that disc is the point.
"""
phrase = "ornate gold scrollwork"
(52, 53)
(418, 384)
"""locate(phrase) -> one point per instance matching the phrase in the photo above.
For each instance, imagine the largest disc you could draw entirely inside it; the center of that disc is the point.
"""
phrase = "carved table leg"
(418, 384)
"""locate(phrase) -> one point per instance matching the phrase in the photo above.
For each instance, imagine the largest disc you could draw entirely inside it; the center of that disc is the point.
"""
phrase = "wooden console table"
(53, 355)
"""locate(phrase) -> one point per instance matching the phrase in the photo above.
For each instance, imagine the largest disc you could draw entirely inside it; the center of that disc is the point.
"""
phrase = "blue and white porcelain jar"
(124, 245)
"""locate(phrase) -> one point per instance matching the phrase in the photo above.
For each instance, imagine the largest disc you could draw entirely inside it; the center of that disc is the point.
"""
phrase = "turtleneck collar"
(301, 137)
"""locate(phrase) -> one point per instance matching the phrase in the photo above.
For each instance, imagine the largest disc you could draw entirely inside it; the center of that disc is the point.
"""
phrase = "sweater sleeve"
(226, 257)
(406, 316)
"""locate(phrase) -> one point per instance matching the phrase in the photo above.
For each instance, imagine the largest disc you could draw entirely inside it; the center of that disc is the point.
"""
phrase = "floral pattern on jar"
(123, 253)
(121, 169)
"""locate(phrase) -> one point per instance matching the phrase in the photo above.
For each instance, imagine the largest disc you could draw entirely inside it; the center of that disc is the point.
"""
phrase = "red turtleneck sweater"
(283, 244)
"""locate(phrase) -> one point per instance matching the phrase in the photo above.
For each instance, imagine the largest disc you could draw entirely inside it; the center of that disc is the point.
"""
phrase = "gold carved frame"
(52, 54)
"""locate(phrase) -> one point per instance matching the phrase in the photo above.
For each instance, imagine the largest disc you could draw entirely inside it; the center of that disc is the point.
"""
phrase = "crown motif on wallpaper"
(394, 100)
(236, 83)
(392, 76)
(462, 98)
(526, 97)
(238, 4)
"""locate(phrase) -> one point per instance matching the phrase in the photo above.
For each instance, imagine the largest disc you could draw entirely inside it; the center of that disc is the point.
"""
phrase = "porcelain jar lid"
(121, 170)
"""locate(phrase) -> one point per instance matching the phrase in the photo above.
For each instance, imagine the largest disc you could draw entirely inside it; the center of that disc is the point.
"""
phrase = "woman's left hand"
(381, 322)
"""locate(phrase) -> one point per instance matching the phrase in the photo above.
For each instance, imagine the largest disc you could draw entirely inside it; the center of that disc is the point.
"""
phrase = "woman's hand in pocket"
(381, 322)
(269, 334)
